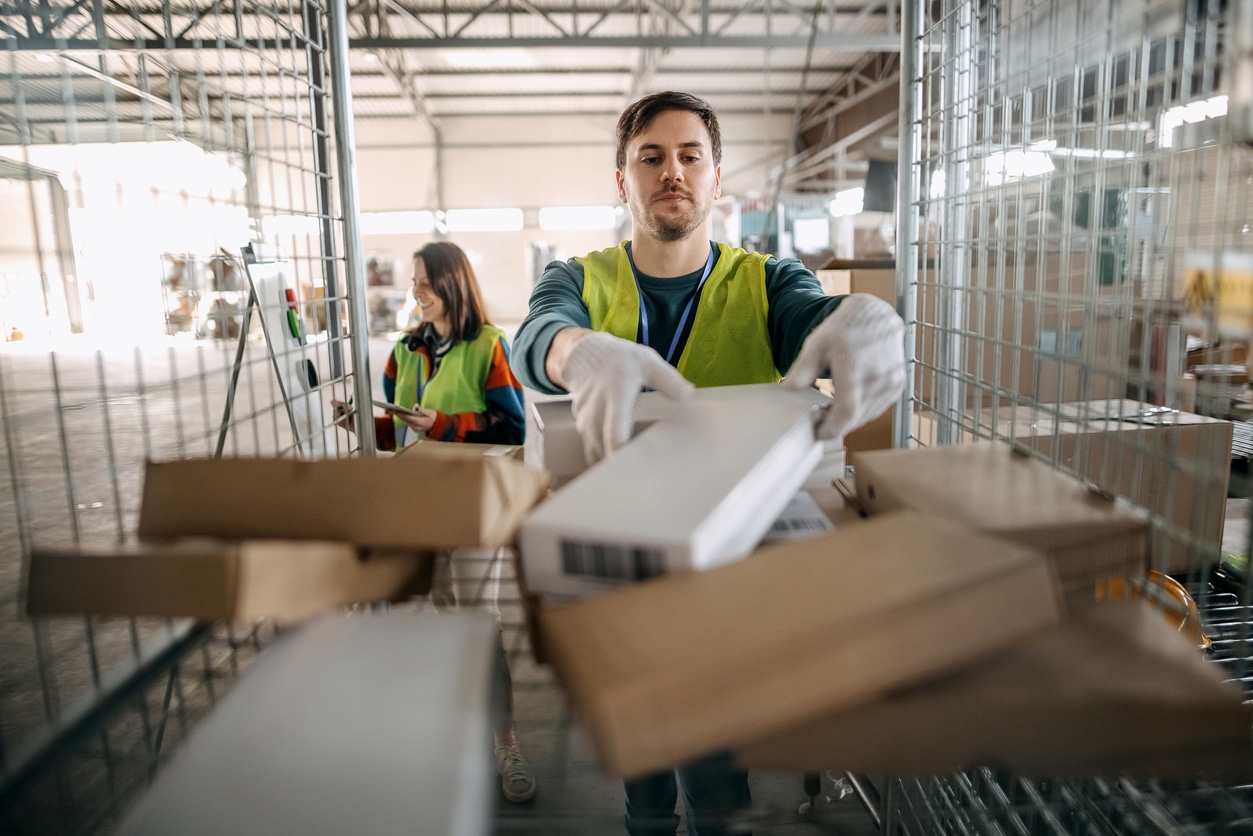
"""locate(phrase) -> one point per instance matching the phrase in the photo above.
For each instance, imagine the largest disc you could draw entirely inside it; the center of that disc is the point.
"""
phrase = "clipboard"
(391, 407)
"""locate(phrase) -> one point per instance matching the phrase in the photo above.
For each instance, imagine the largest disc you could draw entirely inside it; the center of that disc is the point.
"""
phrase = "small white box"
(697, 489)
(553, 442)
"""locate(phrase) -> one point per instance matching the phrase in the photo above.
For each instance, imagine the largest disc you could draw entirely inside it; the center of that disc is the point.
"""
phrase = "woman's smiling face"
(428, 300)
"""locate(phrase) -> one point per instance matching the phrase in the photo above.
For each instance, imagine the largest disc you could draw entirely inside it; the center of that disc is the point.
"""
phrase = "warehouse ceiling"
(830, 65)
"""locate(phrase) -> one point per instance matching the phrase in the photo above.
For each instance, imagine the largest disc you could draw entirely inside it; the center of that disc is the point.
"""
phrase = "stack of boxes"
(953, 625)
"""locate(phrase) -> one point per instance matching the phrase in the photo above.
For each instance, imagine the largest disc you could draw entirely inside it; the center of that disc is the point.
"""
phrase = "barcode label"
(782, 527)
(800, 518)
(611, 562)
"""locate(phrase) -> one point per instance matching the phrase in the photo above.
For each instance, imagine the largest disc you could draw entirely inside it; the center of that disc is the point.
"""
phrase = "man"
(668, 310)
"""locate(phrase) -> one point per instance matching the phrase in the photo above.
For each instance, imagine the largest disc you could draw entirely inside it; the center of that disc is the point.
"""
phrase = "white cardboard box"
(369, 724)
(696, 489)
(553, 443)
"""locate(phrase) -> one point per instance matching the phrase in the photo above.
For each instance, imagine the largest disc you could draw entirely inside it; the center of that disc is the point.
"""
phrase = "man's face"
(670, 180)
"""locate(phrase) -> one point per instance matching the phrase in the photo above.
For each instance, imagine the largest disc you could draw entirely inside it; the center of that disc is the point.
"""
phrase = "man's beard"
(668, 230)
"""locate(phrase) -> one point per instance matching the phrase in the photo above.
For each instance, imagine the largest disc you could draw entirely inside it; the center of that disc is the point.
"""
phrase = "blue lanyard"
(687, 309)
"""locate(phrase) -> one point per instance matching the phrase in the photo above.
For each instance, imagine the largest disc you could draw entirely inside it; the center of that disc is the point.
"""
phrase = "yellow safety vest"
(458, 386)
(729, 343)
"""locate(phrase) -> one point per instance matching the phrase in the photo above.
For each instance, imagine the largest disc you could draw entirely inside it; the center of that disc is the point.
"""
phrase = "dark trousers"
(712, 789)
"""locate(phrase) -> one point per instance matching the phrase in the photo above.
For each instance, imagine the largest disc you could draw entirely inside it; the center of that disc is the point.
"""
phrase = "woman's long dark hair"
(453, 281)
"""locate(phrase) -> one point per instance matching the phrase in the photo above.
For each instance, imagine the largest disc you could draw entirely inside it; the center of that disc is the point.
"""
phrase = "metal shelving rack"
(1069, 163)
(219, 124)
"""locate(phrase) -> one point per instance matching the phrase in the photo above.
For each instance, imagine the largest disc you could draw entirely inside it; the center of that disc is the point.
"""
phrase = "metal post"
(316, 48)
(907, 226)
(955, 254)
(354, 265)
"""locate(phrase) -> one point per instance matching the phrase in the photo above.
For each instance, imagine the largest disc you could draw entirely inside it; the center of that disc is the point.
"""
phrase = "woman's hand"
(422, 422)
(344, 415)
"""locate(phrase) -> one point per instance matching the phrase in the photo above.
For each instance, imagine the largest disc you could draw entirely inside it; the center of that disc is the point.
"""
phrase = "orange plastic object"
(1167, 594)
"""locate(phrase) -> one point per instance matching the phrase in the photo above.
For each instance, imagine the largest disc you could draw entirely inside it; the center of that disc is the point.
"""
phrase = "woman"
(453, 371)
(476, 398)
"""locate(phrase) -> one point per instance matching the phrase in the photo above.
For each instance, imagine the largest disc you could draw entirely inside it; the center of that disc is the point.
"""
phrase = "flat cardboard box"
(682, 666)
(695, 490)
(992, 487)
(837, 499)
(377, 724)
(1174, 464)
(214, 580)
(432, 497)
(513, 452)
(1115, 690)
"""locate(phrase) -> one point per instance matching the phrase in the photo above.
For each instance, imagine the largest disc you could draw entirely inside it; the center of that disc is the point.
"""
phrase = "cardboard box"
(513, 452)
(681, 666)
(1176, 465)
(378, 724)
(1115, 690)
(213, 580)
(432, 497)
(695, 490)
(994, 488)
(837, 499)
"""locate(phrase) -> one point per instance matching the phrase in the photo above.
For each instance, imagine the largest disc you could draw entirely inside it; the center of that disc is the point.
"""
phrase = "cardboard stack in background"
(670, 669)
(1038, 330)
(1175, 465)
(315, 534)
(1113, 690)
(994, 488)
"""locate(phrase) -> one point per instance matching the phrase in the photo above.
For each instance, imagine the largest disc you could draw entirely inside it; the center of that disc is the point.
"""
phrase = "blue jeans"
(712, 788)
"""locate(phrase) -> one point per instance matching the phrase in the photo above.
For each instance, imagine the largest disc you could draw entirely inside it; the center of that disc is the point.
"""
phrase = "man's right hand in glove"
(605, 375)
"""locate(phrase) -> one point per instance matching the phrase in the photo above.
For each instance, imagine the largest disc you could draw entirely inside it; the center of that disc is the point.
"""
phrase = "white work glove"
(605, 374)
(862, 344)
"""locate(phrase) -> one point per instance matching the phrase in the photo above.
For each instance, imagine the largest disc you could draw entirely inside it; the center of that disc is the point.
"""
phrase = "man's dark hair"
(453, 280)
(636, 118)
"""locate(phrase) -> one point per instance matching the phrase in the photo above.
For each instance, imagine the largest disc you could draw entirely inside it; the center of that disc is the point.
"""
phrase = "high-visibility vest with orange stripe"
(729, 342)
(459, 385)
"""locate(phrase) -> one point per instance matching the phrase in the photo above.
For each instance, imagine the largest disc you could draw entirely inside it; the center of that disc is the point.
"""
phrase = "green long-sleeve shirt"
(797, 304)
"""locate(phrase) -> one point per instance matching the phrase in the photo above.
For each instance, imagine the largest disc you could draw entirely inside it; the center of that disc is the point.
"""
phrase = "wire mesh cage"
(176, 281)
(1078, 212)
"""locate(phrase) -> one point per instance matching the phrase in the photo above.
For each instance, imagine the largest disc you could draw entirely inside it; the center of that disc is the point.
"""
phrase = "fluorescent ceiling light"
(569, 218)
(1093, 153)
(397, 223)
(847, 202)
(483, 220)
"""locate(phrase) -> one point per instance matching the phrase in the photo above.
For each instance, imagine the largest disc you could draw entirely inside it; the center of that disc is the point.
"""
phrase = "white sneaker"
(516, 781)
